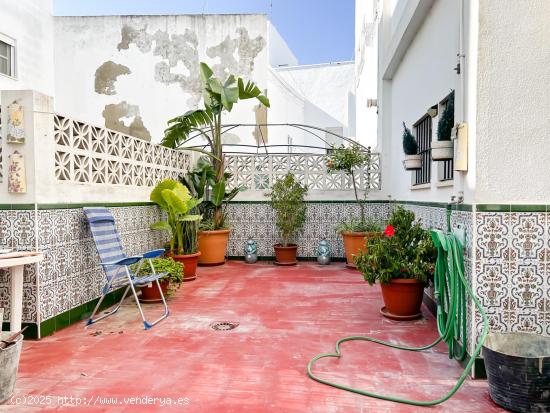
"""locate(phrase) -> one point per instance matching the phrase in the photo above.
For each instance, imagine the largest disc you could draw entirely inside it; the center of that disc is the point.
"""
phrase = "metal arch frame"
(306, 128)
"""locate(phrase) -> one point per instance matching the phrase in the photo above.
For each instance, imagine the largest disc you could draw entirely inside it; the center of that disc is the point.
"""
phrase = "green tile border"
(76, 314)
(512, 208)
(528, 208)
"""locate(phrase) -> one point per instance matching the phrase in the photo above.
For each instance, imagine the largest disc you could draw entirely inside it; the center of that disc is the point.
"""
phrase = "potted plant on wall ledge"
(177, 202)
(443, 149)
(219, 96)
(412, 159)
(174, 277)
(354, 231)
(402, 260)
(287, 199)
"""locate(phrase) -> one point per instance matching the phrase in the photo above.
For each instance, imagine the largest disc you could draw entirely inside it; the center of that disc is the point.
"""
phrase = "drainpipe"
(460, 178)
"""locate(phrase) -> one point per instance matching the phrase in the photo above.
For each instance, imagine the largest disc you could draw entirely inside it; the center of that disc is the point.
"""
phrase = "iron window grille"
(423, 133)
(447, 166)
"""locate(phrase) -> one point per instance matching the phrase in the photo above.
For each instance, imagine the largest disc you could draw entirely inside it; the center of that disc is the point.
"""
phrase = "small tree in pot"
(412, 159)
(287, 199)
(442, 149)
(177, 202)
(354, 231)
(401, 259)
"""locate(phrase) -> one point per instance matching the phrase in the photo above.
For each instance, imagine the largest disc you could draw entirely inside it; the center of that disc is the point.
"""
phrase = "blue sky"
(318, 31)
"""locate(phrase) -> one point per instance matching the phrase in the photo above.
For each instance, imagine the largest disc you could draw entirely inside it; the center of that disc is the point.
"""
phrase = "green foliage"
(409, 253)
(173, 269)
(218, 96)
(348, 159)
(201, 182)
(447, 120)
(410, 146)
(176, 200)
(287, 199)
(354, 225)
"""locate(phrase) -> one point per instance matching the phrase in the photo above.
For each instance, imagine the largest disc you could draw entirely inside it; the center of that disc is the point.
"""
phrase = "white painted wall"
(82, 44)
(366, 70)
(513, 148)
(326, 92)
(30, 24)
(279, 52)
(418, 54)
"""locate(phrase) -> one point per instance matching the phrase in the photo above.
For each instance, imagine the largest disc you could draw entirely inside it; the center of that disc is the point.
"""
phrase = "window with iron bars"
(423, 133)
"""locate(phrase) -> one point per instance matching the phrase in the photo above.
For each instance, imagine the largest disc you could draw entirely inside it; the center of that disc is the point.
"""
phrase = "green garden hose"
(451, 289)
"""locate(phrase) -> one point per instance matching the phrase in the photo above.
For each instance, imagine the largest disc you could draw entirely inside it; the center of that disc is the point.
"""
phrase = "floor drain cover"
(224, 325)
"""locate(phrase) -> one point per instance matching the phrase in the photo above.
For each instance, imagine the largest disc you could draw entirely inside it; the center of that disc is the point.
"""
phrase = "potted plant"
(174, 277)
(443, 149)
(412, 159)
(214, 229)
(287, 199)
(401, 259)
(219, 96)
(354, 231)
(175, 199)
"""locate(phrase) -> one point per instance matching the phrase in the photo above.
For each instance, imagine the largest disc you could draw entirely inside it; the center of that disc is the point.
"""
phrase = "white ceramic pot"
(442, 150)
(412, 162)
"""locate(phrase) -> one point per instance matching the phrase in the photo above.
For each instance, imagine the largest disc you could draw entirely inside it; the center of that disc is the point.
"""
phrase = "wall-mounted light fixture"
(372, 103)
(432, 112)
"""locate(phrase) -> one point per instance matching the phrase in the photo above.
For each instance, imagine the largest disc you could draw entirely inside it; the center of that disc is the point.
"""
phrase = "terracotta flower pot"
(189, 262)
(151, 294)
(354, 242)
(213, 245)
(403, 297)
(285, 255)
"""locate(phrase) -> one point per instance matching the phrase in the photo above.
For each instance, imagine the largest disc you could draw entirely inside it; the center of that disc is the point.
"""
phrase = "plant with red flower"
(389, 231)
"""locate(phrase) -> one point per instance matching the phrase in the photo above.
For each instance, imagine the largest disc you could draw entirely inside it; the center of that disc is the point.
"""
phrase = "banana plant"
(218, 96)
(176, 200)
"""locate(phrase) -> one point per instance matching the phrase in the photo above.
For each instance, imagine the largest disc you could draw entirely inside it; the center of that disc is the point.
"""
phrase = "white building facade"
(493, 56)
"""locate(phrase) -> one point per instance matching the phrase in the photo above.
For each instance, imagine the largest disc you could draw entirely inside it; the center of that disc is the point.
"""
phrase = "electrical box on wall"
(461, 147)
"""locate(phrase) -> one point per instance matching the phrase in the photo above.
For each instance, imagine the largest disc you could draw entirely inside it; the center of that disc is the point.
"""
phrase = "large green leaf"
(228, 91)
(205, 72)
(163, 225)
(156, 194)
(180, 127)
(218, 193)
(190, 218)
(175, 203)
(250, 91)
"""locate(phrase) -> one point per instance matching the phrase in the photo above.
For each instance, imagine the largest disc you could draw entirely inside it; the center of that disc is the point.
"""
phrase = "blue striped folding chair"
(116, 264)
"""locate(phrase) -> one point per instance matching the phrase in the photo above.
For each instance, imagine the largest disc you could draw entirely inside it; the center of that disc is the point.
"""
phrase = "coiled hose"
(451, 290)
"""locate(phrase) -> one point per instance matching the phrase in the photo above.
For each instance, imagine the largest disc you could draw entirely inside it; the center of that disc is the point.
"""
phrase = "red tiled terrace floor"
(286, 316)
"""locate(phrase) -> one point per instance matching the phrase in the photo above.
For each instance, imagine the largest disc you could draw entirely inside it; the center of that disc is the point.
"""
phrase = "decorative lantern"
(323, 253)
(250, 251)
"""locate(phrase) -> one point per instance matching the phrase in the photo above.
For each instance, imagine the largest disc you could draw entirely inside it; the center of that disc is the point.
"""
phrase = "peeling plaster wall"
(134, 73)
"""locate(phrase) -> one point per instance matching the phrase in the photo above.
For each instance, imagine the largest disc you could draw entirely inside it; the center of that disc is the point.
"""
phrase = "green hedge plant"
(410, 146)
(404, 250)
(174, 270)
(287, 199)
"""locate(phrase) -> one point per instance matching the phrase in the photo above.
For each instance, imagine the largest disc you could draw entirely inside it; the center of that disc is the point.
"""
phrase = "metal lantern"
(323, 253)
(250, 251)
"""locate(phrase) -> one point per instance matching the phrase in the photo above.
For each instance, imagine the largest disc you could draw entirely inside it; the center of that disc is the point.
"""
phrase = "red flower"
(389, 231)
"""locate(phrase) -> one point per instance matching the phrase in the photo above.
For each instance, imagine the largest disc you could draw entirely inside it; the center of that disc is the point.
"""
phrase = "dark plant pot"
(518, 370)
(403, 297)
(355, 242)
(151, 294)
(213, 245)
(189, 262)
(285, 255)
